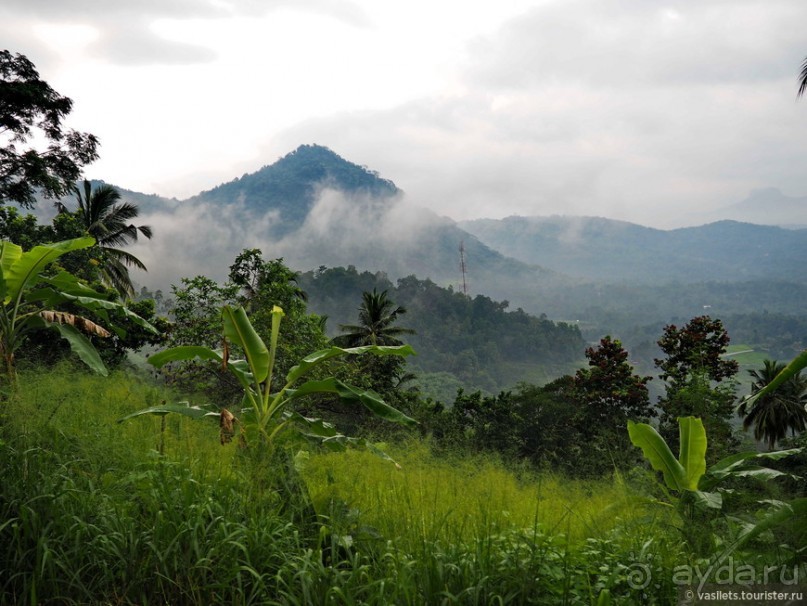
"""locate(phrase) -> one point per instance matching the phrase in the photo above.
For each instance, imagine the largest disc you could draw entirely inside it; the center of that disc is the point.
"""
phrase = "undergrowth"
(92, 513)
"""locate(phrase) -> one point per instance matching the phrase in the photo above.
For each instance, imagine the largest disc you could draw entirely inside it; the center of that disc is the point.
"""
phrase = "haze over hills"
(604, 250)
(314, 208)
(766, 206)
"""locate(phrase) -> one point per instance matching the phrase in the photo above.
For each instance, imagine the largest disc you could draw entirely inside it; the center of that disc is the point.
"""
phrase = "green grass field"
(90, 513)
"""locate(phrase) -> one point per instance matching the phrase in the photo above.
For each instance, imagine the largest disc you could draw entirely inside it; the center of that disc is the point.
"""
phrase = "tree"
(30, 110)
(774, 413)
(610, 390)
(695, 370)
(803, 79)
(698, 346)
(107, 219)
(377, 314)
(258, 286)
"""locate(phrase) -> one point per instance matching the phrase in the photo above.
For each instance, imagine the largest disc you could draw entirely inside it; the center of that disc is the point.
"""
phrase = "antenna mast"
(462, 267)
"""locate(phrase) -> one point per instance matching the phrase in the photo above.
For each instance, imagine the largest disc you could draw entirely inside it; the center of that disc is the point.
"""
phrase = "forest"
(334, 437)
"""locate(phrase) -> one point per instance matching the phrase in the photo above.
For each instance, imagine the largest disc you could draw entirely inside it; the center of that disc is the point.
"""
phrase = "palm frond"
(802, 79)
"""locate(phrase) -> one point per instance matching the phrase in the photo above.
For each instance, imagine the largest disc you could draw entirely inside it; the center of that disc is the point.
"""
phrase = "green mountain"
(290, 186)
(314, 208)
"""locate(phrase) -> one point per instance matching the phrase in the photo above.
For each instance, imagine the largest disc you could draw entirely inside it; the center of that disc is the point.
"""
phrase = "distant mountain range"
(314, 208)
(603, 250)
(767, 206)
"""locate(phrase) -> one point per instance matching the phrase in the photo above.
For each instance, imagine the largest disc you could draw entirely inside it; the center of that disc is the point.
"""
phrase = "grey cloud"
(134, 44)
(126, 37)
(617, 43)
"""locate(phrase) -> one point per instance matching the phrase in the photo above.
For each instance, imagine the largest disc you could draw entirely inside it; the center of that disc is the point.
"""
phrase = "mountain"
(604, 250)
(313, 208)
(289, 188)
(768, 206)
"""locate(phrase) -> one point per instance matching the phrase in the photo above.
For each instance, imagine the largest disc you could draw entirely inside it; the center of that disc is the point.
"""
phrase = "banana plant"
(266, 406)
(696, 488)
(687, 475)
(30, 298)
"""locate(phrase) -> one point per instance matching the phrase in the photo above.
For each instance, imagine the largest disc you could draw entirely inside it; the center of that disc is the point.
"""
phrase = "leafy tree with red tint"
(699, 381)
(612, 392)
(696, 347)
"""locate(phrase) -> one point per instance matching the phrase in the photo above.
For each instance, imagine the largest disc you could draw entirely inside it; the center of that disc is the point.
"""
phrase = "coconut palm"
(773, 414)
(107, 219)
(377, 314)
(802, 79)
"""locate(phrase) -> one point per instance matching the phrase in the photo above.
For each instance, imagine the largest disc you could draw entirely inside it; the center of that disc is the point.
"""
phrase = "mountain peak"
(290, 186)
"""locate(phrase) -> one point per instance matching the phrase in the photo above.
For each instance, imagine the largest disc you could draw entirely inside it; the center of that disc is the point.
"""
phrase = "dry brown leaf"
(83, 324)
(226, 428)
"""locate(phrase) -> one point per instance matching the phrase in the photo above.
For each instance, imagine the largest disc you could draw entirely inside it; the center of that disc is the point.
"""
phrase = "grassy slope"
(90, 514)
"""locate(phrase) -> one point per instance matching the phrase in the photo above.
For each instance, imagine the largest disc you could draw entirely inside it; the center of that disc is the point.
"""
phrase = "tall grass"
(467, 530)
(91, 513)
(461, 498)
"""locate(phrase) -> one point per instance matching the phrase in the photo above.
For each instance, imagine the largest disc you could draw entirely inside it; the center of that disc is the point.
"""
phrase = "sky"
(645, 111)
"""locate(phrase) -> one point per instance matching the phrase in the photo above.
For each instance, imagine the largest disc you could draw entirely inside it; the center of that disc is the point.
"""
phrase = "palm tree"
(377, 314)
(802, 79)
(772, 415)
(107, 219)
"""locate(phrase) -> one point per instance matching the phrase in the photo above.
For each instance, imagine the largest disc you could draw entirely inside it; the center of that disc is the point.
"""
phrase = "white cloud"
(637, 110)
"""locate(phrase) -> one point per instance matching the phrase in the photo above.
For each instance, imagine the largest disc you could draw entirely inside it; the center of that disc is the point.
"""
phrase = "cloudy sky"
(641, 110)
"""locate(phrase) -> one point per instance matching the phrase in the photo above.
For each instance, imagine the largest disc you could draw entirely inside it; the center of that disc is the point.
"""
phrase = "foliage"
(697, 347)
(88, 517)
(30, 298)
(269, 412)
(477, 340)
(114, 349)
(377, 319)
(23, 230)
(377, 316)
(694, 368)
(258, 286)
(773, 414)
(694, 485)
(104, 217)
(549, 427)
(30, 110)
(610, 390)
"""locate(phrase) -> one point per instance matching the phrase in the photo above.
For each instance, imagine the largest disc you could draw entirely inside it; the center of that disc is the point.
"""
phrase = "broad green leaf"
(313, 427)
(794, 512)
(659, 455)
(94, 302)
(735, 463)
(240, 370)
(9, 254)
(763, 474)
(368, 398)
(28, 265)
(708, 500)
(68, 283)
(182, 408)
(795, 367)
(181, 353)
(692, 452)
(79, 344)
(318, 357)
(239, 330)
